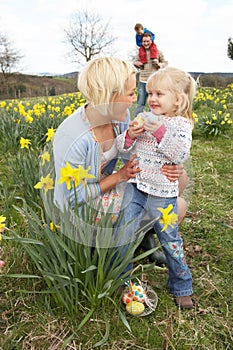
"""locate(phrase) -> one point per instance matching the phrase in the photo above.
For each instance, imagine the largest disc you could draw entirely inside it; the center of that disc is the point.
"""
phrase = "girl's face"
(124, 101)
(162, 102)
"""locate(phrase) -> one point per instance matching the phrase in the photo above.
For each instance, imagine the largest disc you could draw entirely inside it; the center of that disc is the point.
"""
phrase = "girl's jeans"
(179, 276)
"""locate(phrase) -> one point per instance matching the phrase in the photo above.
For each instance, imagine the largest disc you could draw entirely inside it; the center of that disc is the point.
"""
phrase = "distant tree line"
(216, 80)
(24, 85)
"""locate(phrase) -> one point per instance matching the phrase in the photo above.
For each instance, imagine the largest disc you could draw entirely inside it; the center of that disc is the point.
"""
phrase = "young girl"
(162, 137)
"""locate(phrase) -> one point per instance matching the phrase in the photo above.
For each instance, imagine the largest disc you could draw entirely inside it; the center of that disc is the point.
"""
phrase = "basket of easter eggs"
(139, 299)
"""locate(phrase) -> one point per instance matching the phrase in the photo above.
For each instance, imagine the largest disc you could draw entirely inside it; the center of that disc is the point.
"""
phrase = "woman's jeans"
(179, 276)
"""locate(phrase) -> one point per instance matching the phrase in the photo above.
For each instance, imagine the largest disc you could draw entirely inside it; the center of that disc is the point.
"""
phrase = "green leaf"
(106, 336)
(18, 275)
(90, 268)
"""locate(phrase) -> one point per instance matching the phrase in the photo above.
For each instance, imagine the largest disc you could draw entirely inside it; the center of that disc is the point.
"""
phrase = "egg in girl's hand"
(140, 119)
(135, 308)
(152, 117)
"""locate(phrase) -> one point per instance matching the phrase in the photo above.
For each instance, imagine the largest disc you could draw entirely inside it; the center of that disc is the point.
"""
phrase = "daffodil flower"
(50, 134)
(168, 219)
(52, 226)
(83, 174)
(46, 183)
(45, 157)
(24, 143)
(67, 175)
(74, 175)
(2, 223)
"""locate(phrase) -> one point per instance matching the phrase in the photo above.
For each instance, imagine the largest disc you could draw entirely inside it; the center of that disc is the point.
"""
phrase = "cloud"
(192, 35)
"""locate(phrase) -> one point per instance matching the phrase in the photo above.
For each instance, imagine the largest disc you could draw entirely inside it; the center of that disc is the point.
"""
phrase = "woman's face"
(124, 101)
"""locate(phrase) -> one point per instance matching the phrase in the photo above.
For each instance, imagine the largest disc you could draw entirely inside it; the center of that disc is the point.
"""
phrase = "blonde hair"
(103, 79)
(179, 83)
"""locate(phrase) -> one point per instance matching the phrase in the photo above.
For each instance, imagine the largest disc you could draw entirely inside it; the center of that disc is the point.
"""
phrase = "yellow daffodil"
(45, 183)
(168, 219)
(83, 174)
(28, 119)
(24, 143)
(74, 175)
(67, 111)
(50, 134)
(52, 226)
(67, 175)
(2, 104)
(45, 157)
(2, 224)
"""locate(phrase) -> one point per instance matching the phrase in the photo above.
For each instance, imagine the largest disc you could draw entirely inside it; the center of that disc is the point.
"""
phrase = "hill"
(216, 79)
(16, 85)
(24, 85)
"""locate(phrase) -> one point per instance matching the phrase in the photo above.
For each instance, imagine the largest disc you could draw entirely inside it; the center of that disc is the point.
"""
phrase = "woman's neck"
(96, 119)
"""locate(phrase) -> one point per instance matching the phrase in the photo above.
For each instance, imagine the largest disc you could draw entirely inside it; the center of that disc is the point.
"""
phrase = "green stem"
(86, 318)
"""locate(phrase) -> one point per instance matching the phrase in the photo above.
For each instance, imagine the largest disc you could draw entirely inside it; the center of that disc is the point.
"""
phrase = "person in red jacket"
(143, 50)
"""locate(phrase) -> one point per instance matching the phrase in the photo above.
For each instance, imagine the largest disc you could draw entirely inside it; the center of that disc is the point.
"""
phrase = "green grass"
(28, 322)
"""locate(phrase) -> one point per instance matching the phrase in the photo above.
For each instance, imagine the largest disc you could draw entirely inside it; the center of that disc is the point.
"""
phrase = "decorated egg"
(152, 117)
(126, 298)
(140, 119)
(135, 308)
(137, 292)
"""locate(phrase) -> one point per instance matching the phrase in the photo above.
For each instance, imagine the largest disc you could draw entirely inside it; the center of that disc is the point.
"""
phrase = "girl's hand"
(173, 172)
(130, 169)
(135, 129)
(152, 125)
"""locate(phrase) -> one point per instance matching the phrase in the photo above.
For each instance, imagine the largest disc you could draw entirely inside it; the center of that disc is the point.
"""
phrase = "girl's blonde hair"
(177, 82)
(103, 79)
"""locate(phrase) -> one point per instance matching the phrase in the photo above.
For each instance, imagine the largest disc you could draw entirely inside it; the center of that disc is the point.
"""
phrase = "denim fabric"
(142, 97)
(179, 276)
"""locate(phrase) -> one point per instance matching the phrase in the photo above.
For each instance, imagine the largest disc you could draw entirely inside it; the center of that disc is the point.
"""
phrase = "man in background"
(146, 68)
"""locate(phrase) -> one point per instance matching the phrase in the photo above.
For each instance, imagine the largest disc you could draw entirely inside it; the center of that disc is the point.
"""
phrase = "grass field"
(28, 320)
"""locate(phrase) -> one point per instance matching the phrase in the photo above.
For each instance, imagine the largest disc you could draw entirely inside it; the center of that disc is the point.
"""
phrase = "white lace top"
(174, 148)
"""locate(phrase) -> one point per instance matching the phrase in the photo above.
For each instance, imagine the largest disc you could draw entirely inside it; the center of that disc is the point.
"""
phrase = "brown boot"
(184, 302)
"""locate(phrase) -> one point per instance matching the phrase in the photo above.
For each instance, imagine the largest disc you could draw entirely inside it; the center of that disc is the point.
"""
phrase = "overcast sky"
(193, 35)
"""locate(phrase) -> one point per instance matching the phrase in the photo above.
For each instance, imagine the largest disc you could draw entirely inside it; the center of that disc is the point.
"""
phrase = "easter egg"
(137, 292)
(152, 117)
(126, 298)
(135, 308)
(140, 119)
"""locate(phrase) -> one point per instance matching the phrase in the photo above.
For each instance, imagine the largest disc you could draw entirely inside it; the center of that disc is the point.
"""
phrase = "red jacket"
(153, 53)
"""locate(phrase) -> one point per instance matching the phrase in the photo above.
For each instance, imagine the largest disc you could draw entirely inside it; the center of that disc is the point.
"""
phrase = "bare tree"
(230, 48)
(9, 58)
(89, 36)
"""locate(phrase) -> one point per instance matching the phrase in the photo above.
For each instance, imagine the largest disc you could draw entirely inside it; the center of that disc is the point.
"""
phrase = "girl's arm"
(174, 140)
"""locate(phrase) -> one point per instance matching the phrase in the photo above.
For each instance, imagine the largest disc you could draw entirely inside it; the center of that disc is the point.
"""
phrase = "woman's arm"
(128, 171)
(175, 172)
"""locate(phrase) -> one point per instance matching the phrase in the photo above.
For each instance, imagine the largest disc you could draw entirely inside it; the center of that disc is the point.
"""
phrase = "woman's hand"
(129, 170)
(173, 172)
